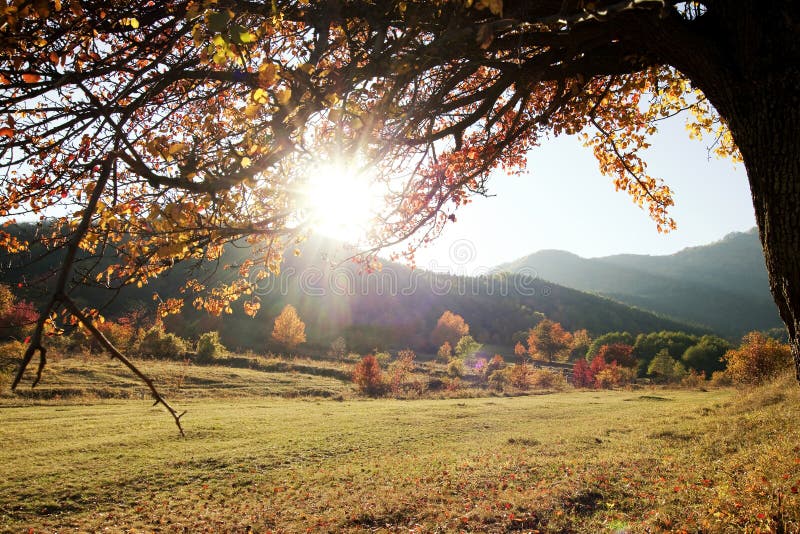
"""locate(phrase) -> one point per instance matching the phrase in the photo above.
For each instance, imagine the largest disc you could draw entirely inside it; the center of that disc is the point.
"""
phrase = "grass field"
(619, 461)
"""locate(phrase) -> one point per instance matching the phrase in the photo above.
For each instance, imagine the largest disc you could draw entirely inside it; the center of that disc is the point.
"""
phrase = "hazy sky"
(563, 202)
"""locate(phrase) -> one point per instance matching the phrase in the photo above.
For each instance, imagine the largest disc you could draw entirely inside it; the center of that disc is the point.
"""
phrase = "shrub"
(499, 380)
(383, 358)
(367, 376)
(720, 379)
(209, 347)
(289, 330)
(495, 364)
(338, 348)
(455, 368)
(157, 344)
(466, 347)
(453, 384)
(581, 375)
(520, 376)
(547, 379)
(120, 335)
(665, 369)
(694, 380)
(614, 375)
(400, 370)
(18, 322)
(759, 358)
(444, 353)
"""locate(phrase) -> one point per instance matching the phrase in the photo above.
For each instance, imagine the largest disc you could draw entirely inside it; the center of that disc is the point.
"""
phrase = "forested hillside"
(392, 307)
(722, 285)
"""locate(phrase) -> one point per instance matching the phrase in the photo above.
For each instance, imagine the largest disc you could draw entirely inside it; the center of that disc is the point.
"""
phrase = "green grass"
(99, 377)
(620, 461)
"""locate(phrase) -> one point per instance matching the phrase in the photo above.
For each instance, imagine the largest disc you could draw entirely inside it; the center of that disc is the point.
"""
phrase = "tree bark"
(746, 59)
(768, 137)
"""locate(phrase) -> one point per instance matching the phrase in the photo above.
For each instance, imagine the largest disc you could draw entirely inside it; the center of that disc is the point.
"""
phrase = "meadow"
(638, 460)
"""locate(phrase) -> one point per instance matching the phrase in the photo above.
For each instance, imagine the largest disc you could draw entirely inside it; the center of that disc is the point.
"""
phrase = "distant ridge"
(722, 285)
(394, 308)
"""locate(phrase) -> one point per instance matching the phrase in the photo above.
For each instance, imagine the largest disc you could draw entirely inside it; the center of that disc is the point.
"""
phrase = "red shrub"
(582, 375)
(367, 375)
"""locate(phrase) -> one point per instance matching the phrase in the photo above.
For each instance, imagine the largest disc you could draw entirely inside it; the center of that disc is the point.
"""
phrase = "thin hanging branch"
(60, 298)
(87, 322)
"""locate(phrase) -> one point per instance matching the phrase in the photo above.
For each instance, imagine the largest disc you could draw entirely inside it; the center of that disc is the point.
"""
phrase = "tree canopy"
(157, 132)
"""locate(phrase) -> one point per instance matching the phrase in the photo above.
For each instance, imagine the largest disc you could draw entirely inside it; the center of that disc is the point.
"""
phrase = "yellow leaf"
(259, 96)
(496, 7)
(246, 162)
(134, 24)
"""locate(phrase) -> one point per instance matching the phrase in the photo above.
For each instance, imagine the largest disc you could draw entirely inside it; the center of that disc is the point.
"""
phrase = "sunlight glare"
(341, 201)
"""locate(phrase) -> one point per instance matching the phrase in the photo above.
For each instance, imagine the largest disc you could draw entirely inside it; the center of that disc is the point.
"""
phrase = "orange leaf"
(31, 78)
(6, 132)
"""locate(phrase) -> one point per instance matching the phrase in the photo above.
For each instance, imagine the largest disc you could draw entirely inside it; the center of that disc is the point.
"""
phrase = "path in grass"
(571, 462)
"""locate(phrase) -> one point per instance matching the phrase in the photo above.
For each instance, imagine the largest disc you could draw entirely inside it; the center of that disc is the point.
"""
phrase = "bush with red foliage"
(368, 377)
(18, 320)
(582, 375)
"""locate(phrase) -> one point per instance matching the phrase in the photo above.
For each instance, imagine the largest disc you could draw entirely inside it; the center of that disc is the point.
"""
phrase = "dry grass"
(642, 461)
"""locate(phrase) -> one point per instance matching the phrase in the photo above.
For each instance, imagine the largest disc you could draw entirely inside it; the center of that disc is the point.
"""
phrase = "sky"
(563, 202)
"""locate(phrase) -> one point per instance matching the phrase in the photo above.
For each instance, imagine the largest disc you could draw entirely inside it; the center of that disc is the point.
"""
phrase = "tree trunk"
(766, 125)
(746, 59)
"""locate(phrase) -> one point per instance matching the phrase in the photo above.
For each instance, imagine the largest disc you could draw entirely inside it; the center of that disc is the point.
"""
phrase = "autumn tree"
(154, 134)
(759, 358)
(289, 330)
(367, 375)
(618, 352)
(445, 352)
(581, 341)
(549, 341)
(519, 349)
(450, 328)
(581, 375)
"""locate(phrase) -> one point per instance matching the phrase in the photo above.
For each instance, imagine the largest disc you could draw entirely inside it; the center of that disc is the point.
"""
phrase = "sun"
(340, 200)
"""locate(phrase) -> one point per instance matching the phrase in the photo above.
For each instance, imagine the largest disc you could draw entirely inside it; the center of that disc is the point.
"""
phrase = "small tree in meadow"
(581, 375)
(444, 353)
(495, 364)
(455, 368)
(367, 376)
(289, 330)
(664, 368)
(209, 347)
(614, 375)
(450, 328)
(597, 364)
(521, 376)
(467, 347)
(519, 349)
(338, 348)
(549, 341)
(400, 370)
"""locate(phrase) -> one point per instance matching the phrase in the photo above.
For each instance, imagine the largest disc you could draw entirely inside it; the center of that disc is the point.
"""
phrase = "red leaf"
(6, 132)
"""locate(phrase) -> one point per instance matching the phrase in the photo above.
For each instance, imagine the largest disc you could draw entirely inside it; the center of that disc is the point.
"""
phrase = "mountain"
(394, 307)
(722, 285)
